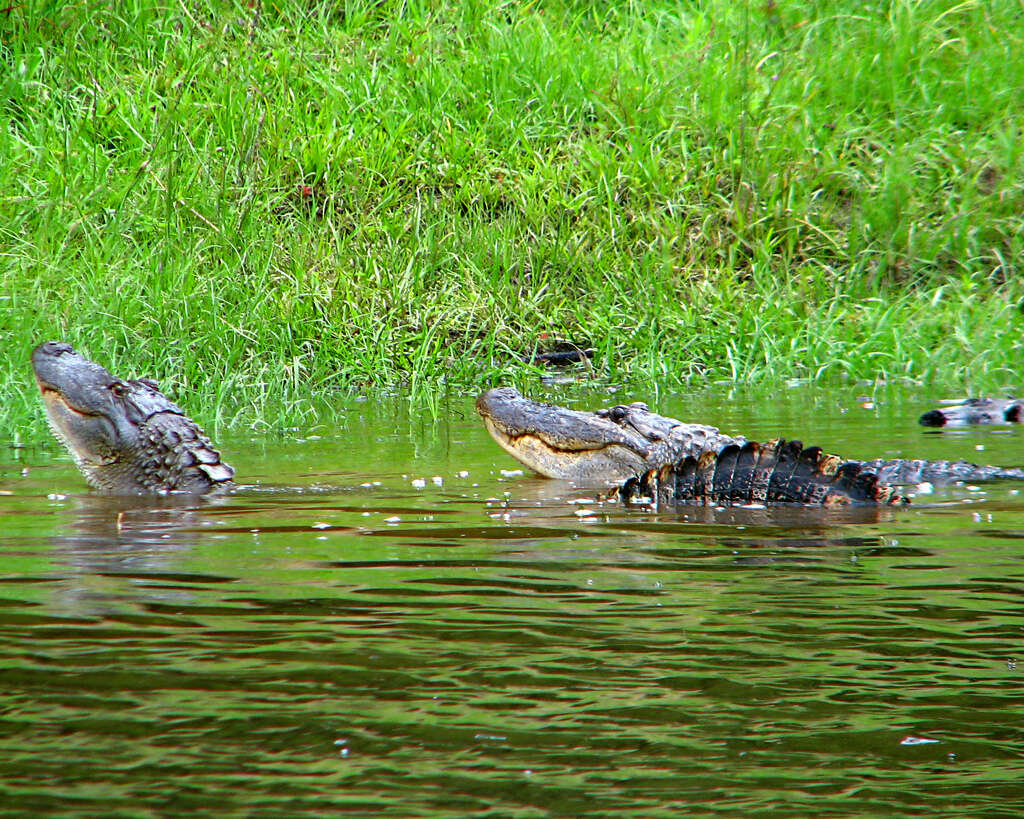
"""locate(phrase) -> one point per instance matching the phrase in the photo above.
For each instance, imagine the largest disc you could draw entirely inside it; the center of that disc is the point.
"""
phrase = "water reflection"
(375, 643)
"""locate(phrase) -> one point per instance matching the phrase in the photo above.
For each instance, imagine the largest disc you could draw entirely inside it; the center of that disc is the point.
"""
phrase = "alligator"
(976, 411)
(672, 462)
(126, 437)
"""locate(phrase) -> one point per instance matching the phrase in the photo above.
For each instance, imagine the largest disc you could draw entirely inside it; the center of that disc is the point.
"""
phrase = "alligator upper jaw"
(81, 384)
(559, 443)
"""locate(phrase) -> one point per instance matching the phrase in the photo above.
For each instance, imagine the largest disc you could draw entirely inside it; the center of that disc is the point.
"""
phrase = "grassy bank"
(257, 202)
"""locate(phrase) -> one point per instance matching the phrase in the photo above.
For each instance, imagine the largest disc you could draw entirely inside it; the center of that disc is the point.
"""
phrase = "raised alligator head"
(590, 448)
(125, 436)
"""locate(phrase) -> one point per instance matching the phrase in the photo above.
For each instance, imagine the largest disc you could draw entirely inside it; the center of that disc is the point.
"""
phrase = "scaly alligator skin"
(612, 445)
(125, 436)
(976, 411)
(753, 474)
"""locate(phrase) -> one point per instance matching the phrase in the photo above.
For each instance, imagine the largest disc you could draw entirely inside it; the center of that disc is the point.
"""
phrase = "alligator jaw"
(559, 443)
(603, 465)
(68, 422)
(83, 432)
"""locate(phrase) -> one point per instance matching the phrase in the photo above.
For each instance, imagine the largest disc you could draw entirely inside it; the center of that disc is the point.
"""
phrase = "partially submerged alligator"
(125, 436)
(976, 411)
(672, 462)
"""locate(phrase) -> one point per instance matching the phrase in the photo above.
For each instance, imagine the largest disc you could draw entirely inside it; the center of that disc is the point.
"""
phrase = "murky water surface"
(388, 624)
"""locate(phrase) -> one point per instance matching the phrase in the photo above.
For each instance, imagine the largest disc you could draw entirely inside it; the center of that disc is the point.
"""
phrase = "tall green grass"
(256, 203)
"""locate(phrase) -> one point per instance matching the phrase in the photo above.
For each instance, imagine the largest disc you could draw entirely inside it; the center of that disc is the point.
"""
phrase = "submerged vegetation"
(262, 200)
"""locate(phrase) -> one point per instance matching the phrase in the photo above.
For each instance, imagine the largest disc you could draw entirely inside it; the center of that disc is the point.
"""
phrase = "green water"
(387, 625)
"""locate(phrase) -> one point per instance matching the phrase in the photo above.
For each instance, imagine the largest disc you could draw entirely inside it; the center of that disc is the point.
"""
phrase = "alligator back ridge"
(752, 473)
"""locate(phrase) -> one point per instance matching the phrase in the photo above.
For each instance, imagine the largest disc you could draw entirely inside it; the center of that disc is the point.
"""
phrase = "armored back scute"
(778, 471)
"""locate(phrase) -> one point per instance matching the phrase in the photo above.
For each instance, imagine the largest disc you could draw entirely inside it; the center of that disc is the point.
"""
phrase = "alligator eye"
(119, 388)
(618, 414)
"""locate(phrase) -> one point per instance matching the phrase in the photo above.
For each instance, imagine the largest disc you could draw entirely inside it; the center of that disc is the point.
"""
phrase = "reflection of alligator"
(125, 436)
(671, 461)
(976, 411)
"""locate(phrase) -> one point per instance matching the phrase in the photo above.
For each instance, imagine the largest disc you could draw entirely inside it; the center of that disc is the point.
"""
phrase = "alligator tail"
(903, 471)
(778, 471)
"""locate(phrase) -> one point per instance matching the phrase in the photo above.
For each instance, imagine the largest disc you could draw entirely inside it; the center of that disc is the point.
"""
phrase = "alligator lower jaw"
(58, 412)
(55, 403)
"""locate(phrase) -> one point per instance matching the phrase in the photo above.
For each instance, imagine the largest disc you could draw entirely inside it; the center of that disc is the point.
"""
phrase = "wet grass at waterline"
(255, 203)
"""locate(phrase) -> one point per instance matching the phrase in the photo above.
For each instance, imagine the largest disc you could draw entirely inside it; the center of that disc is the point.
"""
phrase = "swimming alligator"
(125, 436)
(976, 411)
(672, 462)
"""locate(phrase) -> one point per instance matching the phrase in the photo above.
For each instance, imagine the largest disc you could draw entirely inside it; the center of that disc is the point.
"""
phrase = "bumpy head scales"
(125, 436)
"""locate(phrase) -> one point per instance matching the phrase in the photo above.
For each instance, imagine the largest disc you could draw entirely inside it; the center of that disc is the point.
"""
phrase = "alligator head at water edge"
(599, 448)
(620, 443)
(976, 411)
(125, 435)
